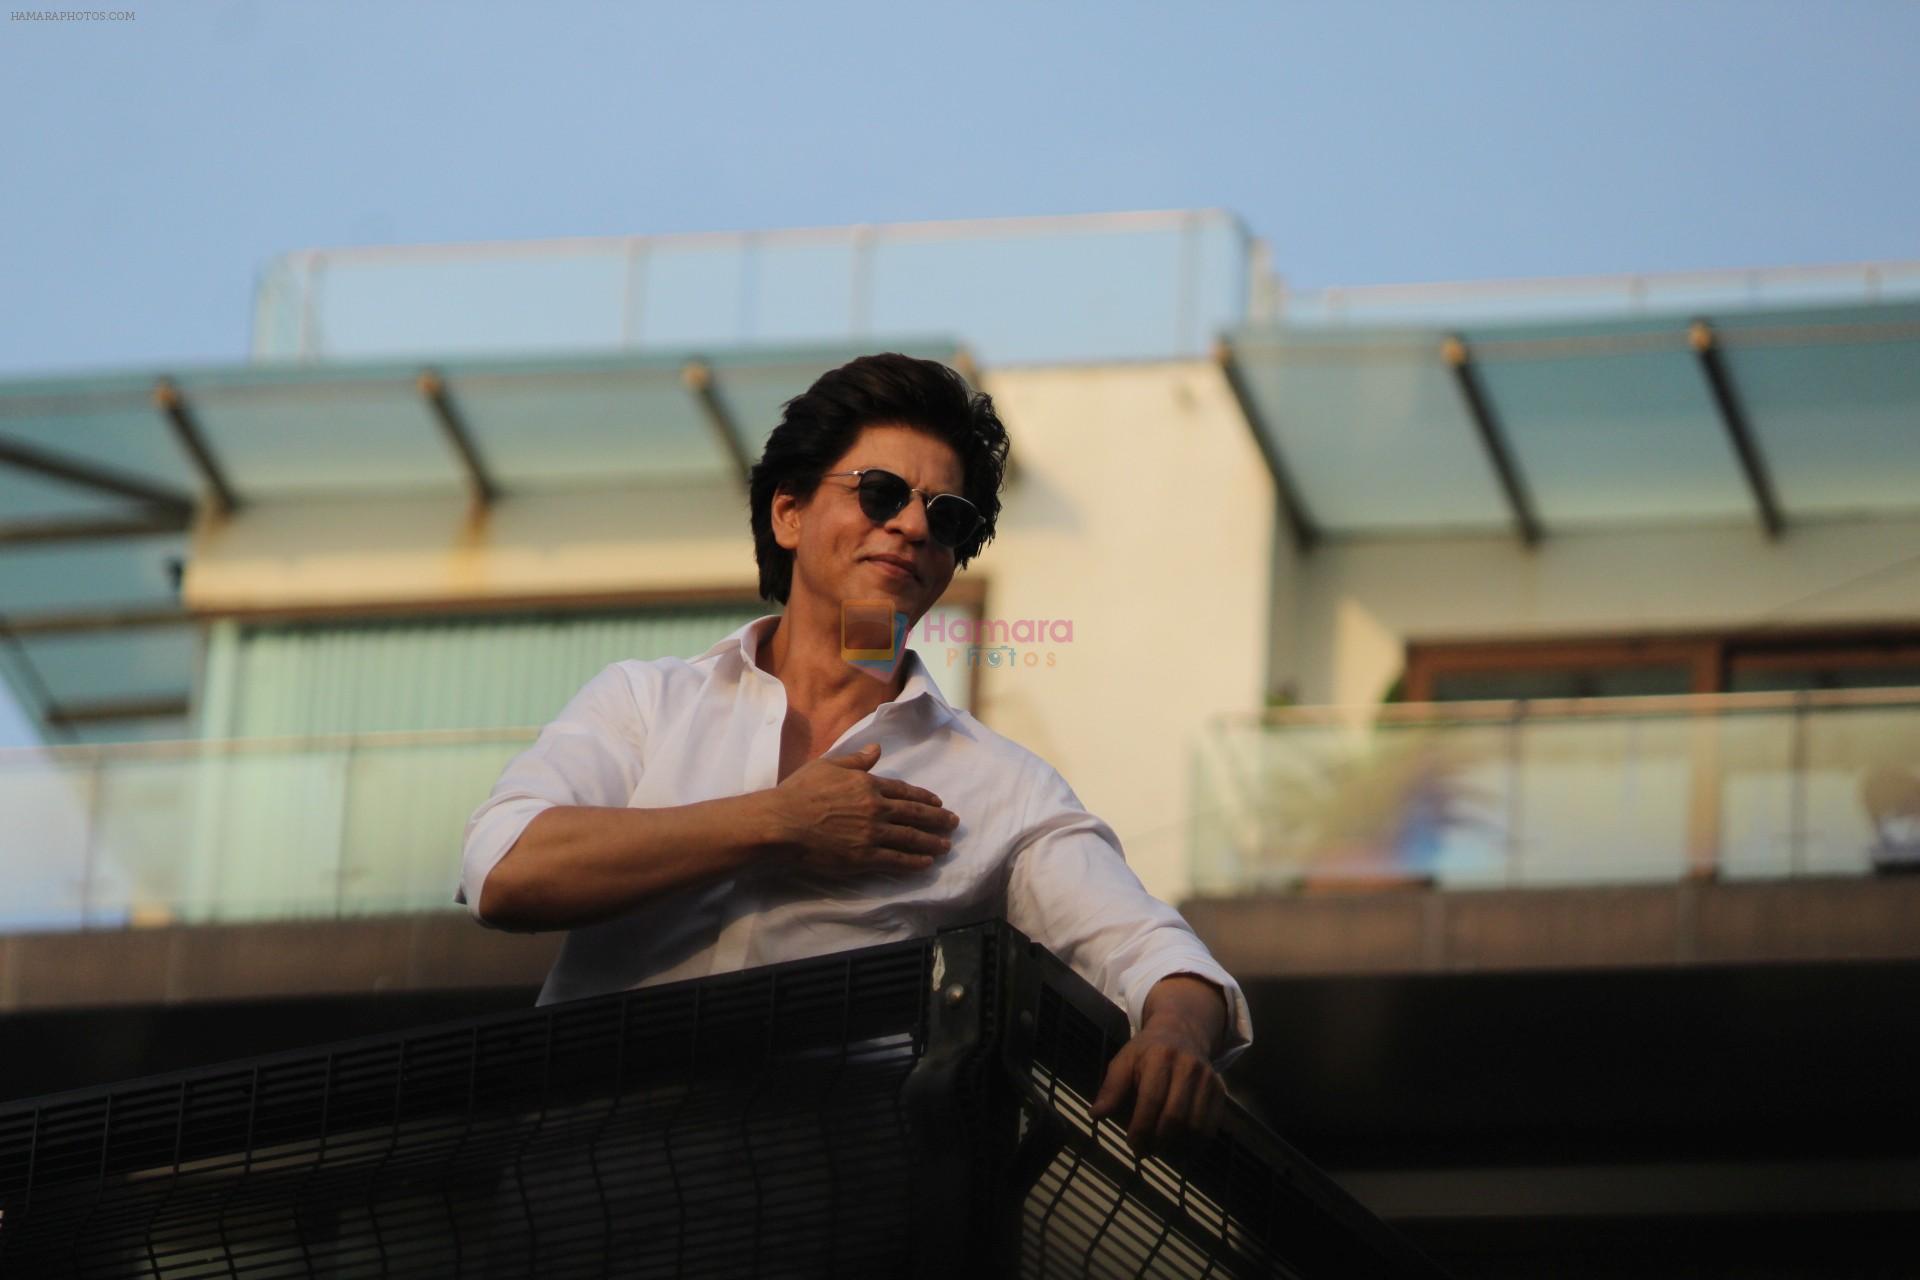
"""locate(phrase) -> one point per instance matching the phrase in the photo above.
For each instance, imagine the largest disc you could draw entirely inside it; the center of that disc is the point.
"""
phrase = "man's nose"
(911, 520)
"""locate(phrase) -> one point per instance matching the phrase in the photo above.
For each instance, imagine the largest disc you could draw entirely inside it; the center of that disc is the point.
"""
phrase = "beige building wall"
(1139, 510)
(423, 549)
(1142, 511)
(1360, 602)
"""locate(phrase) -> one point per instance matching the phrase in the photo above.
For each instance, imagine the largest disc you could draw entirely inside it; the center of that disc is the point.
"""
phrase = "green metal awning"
(101, 475)
(1776, 416)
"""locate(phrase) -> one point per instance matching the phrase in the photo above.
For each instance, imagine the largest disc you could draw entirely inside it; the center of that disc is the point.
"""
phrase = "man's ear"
(786, 511)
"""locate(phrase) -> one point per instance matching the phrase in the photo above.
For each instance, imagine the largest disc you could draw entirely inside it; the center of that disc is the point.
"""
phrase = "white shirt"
(671, 732)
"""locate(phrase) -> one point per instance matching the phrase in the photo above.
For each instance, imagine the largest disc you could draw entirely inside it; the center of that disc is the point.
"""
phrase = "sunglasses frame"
(928, 498)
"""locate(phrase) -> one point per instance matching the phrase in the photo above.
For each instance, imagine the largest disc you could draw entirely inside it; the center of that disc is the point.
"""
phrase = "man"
(771, 800)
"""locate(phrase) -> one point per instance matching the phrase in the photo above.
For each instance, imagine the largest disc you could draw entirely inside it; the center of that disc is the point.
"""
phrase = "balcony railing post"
(96, 788)
(1703, 803)
(343, 844)
(1516, 770)
(1797, 789)
(960, 1021)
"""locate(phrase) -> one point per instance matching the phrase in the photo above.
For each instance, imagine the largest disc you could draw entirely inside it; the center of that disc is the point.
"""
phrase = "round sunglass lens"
(883, 495)
(951, 520)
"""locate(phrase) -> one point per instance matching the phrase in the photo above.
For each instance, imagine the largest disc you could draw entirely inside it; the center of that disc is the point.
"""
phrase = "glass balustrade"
(205, 832)
(1575, 792)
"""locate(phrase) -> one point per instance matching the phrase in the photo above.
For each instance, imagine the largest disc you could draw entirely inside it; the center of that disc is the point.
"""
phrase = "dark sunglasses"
(951, 519)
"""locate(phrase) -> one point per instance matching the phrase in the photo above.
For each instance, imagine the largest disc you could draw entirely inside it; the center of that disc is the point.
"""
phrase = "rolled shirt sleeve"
(1069, 888)
(589, 755)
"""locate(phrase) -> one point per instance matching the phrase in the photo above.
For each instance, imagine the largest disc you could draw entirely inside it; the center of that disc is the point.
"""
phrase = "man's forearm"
(1191, 1005)
(576, 865)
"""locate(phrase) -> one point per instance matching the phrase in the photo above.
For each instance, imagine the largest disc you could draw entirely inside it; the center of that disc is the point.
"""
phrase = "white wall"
(1139, 509)
(1361, 601)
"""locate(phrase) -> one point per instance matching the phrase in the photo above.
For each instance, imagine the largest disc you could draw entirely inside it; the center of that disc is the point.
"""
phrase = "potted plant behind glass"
(1378, 815)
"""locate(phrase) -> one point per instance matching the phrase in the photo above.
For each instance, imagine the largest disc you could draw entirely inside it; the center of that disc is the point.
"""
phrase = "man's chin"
(905, 597)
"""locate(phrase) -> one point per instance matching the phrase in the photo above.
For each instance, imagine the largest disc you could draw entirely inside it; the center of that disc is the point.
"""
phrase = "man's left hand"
(1166, 1070)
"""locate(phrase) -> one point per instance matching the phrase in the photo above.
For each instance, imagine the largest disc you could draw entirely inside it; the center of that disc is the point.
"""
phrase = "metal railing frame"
(518, 1135)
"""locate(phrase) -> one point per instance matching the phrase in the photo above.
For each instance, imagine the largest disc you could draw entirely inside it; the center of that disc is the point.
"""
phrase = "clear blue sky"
(148, 168)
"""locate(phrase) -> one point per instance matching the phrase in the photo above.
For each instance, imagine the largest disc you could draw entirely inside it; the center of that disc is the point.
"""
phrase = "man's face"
(840, 554)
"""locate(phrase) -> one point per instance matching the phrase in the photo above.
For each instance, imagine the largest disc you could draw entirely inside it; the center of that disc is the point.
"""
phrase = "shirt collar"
(742, 645)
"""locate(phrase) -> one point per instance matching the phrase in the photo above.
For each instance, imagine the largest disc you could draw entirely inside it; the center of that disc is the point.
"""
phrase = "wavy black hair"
(819, 425)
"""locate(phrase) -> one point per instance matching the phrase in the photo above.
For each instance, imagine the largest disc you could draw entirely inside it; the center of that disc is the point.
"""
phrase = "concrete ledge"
(54, 970)
(1402, 930)
(180, 964)
(1818, 920)
(1386, 932)
(1562, 929)
(1426, 930)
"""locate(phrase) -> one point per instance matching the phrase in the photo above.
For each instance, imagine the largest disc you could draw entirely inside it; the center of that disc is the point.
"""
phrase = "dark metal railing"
(918, 1108)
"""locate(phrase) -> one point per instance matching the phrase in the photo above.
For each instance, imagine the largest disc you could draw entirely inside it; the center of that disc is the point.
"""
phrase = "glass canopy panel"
(1387, 306)
(554, 426)
(63, 577)
(754, 399)
(1373, 430)
(329, 431)
(755, 391)
(108, 422)
(411, 303)
(143, 729)
(30, 496)
(112, 666)
(1611, 435)
(1834, 399)
(1679, 297)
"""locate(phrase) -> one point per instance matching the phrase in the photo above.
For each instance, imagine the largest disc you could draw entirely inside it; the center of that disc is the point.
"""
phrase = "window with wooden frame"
(1628, 666)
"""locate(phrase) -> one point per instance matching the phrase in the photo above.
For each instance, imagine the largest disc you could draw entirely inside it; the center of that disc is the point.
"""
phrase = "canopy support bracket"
(699, 379)
(1300, 523)
(1733, 417)
(167, 398)
(1494, 440)
(433, 389)
(88, 475)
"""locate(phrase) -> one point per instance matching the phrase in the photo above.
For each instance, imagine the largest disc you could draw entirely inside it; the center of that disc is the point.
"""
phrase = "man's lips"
(905, 566)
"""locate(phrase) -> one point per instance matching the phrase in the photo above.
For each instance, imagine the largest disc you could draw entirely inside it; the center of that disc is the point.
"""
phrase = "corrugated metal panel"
(410, 674)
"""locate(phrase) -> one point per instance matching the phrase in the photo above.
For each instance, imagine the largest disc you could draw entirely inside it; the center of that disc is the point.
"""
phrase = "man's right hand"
(838, 819)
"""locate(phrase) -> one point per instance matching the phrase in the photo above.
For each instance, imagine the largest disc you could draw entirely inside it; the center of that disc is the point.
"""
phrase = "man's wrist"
(1190, 1006)
(1184, 1030)
(769, 834)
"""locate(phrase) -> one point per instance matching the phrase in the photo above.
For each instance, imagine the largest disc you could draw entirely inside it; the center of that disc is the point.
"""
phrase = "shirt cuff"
(492, 833)
(1138, 981)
